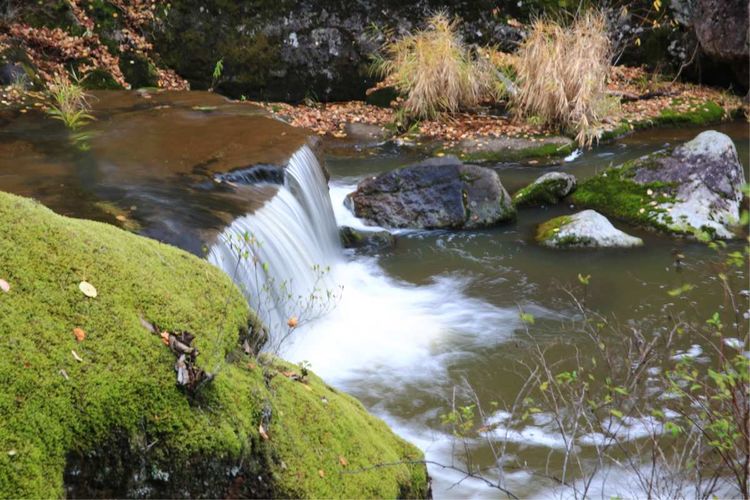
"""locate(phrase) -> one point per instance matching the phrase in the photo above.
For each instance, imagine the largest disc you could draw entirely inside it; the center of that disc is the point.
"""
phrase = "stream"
(433, 320)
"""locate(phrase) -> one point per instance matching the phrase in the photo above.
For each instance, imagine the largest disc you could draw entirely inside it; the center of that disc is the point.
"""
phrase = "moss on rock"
(116, 424)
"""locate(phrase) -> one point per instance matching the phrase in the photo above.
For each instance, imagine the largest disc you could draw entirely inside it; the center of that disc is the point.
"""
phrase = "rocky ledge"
(440, 193)
(692, 190)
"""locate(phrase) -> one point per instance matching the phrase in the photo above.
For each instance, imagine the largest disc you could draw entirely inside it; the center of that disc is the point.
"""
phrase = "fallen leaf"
(87, 289)
(344, 462)
(121, 218)
(4, 286)
(165, 338)
(64, 374)
(12, 453)
(79, 333)
(76, 356)
(321, 473)
(292, 323)
(263, 432)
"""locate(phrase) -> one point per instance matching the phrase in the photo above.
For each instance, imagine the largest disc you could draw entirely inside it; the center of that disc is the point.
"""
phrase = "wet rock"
(548, 189)
(437, 193)
(587, 229)
(511, 149)
(692, 190)
(365, 132)
(366, 240)
(13, 74)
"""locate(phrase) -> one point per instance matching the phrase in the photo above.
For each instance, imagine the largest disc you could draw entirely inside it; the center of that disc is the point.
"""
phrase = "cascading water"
(383, 335)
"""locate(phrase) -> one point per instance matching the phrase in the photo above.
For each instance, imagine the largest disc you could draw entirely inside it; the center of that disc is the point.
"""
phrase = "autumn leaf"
(87, 289)
(343, 461)
(321, 473)
(4, 286)
(292, 323)
(165, 338)
(76, 356)
(79, 334)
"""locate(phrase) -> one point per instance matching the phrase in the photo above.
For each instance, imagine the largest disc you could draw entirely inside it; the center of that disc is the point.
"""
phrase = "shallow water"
(439, 311)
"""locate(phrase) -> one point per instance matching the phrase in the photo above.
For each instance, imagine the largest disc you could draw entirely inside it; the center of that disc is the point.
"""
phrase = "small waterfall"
(281, 255)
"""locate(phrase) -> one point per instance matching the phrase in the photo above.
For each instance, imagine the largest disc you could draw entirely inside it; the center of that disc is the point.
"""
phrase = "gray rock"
(548, 189)
(437, 193)
(511, 149)
(721, 27)
(587, 229)
(709, 179)
(366, 240)
(365, 132)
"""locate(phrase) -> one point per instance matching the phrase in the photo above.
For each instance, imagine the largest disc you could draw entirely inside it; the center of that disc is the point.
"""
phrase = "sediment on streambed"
(91, 404)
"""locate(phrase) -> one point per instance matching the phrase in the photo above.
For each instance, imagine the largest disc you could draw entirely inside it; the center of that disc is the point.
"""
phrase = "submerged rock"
(692, 190)
(367, 240)
(587, 229)
(511, 149)
(98, 412)
(548, 189)
(437, 193)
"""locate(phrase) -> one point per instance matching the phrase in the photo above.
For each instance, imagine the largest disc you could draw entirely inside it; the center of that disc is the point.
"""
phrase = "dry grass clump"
(562, 75)
(436, 70)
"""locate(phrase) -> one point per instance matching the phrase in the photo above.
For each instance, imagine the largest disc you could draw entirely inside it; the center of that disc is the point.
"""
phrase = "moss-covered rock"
(511, 149)
(694, 190)
(587, 229)
(104, 416)
(548, 189)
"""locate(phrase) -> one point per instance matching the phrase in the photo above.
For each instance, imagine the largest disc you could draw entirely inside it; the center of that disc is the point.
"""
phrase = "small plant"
(216, 75)
(69, 102)
(435, 70)
(562, 75)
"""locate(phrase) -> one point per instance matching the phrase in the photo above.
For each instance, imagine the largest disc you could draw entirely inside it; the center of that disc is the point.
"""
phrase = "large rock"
(721, 27)
(693, 190)
(366, 240)
(109, 419)
(548, 189)
(512, 149)
(437, 193)
(587, 229)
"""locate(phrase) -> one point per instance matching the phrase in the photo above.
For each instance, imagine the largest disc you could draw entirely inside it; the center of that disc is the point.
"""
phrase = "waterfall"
(281, 256)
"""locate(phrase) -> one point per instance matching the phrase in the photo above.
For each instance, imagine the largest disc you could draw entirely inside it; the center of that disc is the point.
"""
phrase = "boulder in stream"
(440, 193)
(366, 240)
(587, 229)
(548, 189)
(692, 190)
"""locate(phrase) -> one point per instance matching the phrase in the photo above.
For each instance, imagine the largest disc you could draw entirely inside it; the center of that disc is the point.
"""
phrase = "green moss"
(540, 193)
(118, 416)
(100, 79)
(138, 71)
(614, 193)
(700, 114)
(548, 229)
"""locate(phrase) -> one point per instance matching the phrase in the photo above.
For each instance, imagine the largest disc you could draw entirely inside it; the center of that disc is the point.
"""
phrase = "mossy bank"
(103, 416)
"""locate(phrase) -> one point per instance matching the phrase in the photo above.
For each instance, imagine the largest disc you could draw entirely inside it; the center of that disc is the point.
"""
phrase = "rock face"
(548, 189)
(587, 229)
(721, 27)
(693, 190)
(437, 193)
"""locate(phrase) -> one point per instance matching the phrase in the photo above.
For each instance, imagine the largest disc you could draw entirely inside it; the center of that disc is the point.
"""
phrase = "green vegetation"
(613, 192)
(548, 150)
(545, 192)
(562, 74)
(548, 229)
(69, 103)
(705, 113)
(108, 401)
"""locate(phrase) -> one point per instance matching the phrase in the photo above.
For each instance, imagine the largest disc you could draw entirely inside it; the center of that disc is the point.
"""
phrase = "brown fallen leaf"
(4, 286)
(292, 323)
(76, 356)
(263, 433)
(79, 334)
(165, 337)
(321, 473)
(343, 461)
(121, 218)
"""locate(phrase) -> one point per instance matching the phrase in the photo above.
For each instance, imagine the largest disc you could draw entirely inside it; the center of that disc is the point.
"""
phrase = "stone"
(511, 149)
(440, 193)
(693, 190)
(548, 189)
(721, 27)
(586, 229)
(365, 132)
(366, 240)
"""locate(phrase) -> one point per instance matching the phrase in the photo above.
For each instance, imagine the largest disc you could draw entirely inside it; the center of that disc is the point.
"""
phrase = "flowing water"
(403, 330)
